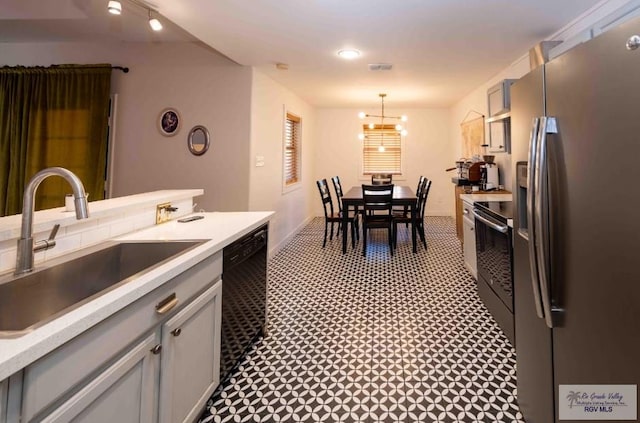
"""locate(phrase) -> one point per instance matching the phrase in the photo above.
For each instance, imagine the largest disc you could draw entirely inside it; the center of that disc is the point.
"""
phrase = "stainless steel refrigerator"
(576, 155)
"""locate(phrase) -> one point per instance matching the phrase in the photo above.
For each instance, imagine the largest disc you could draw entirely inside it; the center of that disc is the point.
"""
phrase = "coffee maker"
(489, 176)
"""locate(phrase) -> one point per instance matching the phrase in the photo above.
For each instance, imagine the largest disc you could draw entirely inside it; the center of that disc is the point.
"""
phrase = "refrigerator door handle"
(531, 237)
(547, 126)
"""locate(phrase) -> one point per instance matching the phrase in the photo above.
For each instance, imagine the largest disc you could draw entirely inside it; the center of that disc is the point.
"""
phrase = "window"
(381, 150)
(292, 133)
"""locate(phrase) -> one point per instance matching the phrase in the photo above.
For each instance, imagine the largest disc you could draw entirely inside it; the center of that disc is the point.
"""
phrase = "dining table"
(402, 196)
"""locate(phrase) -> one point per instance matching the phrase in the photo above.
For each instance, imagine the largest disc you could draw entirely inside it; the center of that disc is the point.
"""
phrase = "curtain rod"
(124, 69)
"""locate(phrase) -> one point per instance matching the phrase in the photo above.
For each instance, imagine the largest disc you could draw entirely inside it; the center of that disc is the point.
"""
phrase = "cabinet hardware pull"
(167, 304)
(156, 350)
(176, 332)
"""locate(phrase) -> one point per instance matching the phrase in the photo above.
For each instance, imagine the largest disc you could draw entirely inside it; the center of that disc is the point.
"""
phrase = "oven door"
(494, 252)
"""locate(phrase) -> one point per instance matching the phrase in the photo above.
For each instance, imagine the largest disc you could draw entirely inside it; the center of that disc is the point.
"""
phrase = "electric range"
(495, 260)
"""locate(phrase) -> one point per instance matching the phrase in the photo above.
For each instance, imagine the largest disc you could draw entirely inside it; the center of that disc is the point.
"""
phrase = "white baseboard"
(274, 250)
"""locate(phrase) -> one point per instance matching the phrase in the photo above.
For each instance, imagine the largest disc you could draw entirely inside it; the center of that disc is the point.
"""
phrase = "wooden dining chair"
(405, 209)
(381, 179)
(406, 217)
(337, 187)
(330, 216)
(378, 208)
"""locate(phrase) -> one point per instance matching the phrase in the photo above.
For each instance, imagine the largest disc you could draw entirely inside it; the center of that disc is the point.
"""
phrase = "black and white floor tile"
(381, 338)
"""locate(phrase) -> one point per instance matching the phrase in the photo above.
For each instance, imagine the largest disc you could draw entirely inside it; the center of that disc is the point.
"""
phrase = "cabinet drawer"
(61, 372)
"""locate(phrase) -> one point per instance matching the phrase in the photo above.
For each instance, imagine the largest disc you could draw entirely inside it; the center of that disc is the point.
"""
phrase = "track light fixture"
(154, 23)
(115, 7)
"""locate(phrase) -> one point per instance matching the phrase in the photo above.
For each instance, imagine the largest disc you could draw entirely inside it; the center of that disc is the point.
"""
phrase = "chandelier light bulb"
(361, 136)
(404, 132)
(381, 148)
(398, 127)
(372, 126)
(404, 118)
(362, 115)
(114, 7)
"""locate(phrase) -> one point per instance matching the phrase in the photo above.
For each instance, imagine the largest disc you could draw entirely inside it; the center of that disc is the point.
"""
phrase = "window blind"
(291, 149)
(376, 161)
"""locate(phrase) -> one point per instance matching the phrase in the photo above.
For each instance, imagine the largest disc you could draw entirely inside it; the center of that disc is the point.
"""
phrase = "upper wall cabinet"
(499, 120)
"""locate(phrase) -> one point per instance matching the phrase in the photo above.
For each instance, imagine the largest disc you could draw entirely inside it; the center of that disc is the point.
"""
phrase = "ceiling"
(440, 49)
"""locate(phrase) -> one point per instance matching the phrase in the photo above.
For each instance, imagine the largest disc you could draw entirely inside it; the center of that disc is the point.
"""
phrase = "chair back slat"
(421, 183)
(337, 187)
(325, 195)
(378, 198)
(422, 198)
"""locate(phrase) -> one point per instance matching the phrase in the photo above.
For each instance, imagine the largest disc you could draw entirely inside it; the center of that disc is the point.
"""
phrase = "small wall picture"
(169, 122)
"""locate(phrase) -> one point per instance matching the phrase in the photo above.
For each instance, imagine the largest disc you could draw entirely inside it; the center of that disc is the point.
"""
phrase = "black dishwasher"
(244, 297)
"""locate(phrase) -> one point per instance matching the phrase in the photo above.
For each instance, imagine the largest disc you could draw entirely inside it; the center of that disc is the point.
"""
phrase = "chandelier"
(398, 128)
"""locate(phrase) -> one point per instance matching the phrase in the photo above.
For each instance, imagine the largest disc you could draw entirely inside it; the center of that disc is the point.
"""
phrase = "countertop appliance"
(489, 179)
(494, 257)
(244, 297)
(576, 232)
(473, 171)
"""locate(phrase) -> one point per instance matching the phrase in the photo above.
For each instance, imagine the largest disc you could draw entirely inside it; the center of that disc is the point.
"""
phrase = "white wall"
(206, 89)
(426, 145)
(216, 95)
(293, 208)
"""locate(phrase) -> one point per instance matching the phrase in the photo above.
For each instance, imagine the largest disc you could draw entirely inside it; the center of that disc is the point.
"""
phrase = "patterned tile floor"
(381, 338)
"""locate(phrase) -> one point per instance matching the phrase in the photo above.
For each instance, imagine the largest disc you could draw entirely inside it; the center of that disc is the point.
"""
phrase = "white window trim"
(297, 185)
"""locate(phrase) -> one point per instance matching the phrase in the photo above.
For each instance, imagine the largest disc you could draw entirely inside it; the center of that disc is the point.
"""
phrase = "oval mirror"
(198, 140)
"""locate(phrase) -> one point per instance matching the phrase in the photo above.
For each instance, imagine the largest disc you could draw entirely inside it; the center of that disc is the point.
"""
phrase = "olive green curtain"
(52, 116)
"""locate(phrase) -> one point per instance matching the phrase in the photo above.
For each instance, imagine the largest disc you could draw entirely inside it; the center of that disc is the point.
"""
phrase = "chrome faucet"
(24, 260)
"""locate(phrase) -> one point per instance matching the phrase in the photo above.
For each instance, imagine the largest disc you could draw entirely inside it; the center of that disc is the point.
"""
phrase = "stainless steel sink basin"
(31, 300)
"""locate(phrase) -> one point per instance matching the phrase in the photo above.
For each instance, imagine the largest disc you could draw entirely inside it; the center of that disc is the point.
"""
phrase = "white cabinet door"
(468, 224)
(123, 393)
(190, 363)
(4, 392)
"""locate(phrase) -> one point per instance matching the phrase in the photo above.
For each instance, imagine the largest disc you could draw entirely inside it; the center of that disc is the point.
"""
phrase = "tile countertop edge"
(44, 219)
(220, 228)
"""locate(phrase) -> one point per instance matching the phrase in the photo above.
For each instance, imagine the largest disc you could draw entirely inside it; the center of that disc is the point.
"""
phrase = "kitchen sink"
(30, 300)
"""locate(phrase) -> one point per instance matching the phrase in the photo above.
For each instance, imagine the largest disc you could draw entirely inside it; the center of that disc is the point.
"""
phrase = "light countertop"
(472, 198)
(220, 229)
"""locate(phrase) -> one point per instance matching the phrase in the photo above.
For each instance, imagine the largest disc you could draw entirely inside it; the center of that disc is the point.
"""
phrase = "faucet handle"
(49, 243)
(54, 232)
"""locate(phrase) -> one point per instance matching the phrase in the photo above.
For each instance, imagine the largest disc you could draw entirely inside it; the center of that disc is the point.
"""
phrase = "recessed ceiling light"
(349, 53)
